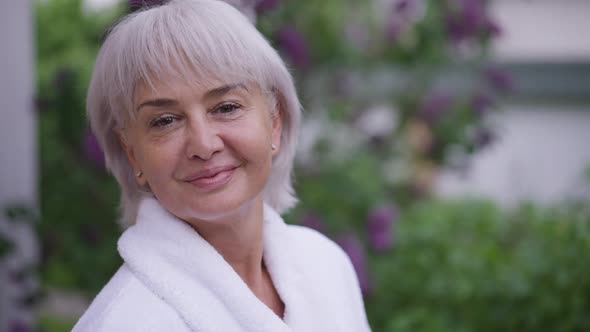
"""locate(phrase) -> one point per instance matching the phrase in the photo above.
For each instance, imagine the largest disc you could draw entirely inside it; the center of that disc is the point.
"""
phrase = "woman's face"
(205, 153)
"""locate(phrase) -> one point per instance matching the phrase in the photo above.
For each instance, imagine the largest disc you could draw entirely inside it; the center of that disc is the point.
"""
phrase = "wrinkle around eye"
(163, 121)
(227, 108)
(227, 111)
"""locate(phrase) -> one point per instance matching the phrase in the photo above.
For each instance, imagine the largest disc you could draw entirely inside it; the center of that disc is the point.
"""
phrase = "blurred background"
(444, 147)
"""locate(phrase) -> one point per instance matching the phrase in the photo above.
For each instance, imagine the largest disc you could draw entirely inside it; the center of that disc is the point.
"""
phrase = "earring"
(273, 147)
(139, 174)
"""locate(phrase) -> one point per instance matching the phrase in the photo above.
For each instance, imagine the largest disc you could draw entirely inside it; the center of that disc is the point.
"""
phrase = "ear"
(277, 129)
(128, 148)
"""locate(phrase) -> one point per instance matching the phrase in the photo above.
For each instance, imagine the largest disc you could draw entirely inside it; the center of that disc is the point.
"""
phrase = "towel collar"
(186, 272)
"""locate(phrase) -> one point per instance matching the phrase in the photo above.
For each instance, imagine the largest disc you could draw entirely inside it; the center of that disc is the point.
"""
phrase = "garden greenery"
(363, 179)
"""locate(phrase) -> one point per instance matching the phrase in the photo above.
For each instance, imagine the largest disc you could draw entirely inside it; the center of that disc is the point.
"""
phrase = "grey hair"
(195, 41)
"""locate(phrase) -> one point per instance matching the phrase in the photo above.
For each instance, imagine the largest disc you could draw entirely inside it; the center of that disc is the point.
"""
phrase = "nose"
(202, 139)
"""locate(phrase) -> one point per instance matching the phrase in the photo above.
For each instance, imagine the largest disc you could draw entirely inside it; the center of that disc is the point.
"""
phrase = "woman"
(198, 118)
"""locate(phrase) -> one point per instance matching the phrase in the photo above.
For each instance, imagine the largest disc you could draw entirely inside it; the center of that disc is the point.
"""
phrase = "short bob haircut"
(195, 41)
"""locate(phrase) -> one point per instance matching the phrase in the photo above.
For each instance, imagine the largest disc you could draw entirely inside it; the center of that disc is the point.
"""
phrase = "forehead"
(177, 88)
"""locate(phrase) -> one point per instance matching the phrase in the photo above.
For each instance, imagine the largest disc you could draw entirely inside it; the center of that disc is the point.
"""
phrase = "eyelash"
(158, 122)
(221, 109)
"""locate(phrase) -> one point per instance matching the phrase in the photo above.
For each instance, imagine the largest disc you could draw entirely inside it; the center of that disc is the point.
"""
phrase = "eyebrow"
(160, 102)
(216, 92)
(222, 90)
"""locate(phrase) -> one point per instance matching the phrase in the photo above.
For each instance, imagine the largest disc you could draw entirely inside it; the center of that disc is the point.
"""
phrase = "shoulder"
(329, 270)
(321, 254)
(306, 241)
(309, 241)
(126, 304)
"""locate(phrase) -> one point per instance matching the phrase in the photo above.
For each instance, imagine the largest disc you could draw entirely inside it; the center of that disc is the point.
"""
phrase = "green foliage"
(453, 266)
(52, 324)
(466, 266)
(79, 200)
(78, 228)
(20, 213)
(6, 246)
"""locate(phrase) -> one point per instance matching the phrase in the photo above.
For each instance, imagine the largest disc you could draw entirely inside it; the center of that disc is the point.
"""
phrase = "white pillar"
(542, 30)
(18, 149)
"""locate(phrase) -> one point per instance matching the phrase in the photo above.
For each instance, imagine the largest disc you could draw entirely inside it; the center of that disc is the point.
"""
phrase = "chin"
(230, 201)
(214, 210)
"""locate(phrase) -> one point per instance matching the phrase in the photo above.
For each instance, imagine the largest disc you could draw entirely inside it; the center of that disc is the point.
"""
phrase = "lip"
(212, 178)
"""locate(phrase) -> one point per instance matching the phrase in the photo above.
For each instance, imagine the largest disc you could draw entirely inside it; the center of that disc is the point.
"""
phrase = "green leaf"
(6, 246)
(20, 213)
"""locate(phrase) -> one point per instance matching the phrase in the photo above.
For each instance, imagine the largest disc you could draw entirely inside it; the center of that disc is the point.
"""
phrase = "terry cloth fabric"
(174, 280)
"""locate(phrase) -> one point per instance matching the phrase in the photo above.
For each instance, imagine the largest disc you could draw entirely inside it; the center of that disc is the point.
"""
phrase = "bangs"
(183, 42)
(199, 43)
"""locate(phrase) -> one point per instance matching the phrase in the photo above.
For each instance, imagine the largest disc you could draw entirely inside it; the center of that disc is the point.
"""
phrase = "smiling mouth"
(213, 179)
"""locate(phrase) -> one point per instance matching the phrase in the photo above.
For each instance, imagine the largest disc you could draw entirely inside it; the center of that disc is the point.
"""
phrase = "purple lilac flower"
(41, 104)
(91, 234)
(404, 14)
(394, 29)
(353, 247)
(468, 21)
(92, 150)
(402, 6)
(481, 103)
(295, 46)
(483, 137)
(380, 227)
(411, 10)
(473, 14)
(499, 79)
(17, 277)
(63, 78)
(19, 326)
(314, 221)
(491, 28)
(455, 29)
(264, 6)
(434, 106)
(51, 243)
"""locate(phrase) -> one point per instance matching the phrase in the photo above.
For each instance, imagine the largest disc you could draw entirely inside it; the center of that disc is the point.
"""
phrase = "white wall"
(540, 156)
(542, 30)
(18, 146)
(543, 148)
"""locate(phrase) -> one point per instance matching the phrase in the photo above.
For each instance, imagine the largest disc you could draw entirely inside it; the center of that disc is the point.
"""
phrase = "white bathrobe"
(174, 280)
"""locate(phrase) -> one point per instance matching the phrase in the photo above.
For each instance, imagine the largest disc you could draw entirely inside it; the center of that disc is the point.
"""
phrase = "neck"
(239, 240)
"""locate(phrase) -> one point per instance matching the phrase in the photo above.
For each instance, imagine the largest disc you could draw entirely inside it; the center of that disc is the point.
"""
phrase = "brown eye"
(162, 122)
(226, 109)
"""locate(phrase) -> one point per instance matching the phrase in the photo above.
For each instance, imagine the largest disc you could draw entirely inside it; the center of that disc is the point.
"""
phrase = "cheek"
(159, 159)
(253, 142)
